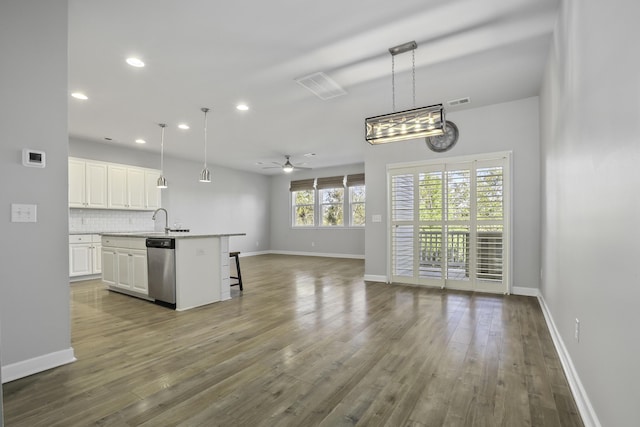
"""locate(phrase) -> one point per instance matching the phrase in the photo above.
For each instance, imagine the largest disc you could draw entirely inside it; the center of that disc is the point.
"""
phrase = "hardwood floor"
(307, 343)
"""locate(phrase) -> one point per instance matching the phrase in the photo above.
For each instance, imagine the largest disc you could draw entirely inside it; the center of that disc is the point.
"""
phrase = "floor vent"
(459, 101)
(321, 85)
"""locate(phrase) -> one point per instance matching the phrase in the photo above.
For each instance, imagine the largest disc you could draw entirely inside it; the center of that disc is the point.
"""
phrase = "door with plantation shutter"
(449, 224)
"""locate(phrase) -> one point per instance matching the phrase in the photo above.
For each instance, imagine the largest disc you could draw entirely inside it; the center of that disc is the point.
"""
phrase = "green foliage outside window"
(357, 194)
(303, 208)
(332, 206)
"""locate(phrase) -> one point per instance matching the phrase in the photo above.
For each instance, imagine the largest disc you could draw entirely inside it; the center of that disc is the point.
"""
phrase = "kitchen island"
(201, 266)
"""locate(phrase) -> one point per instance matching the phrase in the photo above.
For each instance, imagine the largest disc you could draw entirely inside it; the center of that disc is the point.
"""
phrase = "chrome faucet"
(166, 219)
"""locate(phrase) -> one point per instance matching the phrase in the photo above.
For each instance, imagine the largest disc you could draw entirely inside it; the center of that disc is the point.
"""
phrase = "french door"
(450, 224)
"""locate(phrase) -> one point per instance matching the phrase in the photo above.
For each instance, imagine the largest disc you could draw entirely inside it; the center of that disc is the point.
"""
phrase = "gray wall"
(590, 118)
(234, 201)
(284, 238)
(34, 293)
(510, 126)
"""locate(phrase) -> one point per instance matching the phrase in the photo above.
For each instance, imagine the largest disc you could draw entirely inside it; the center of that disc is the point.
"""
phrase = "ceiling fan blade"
(300, 167)
(272, 167)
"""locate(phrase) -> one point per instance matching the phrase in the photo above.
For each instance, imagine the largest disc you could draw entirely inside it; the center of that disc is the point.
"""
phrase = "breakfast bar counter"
(195, 266)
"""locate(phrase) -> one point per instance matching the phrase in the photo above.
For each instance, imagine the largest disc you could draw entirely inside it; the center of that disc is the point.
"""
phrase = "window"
(357, 198)
(303, 203)
(331, 197)
(449, 224)
(324, 202)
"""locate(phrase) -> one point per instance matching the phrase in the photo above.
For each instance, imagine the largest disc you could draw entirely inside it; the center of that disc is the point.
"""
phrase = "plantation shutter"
(490, 223)
(402, 227)
(448, 224)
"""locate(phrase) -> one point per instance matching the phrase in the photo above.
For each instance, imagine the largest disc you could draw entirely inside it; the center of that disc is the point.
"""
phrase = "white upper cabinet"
(135, 184)
(118, 192)
(152, 192)
(96, 178)
(87, 184)
(103, 185)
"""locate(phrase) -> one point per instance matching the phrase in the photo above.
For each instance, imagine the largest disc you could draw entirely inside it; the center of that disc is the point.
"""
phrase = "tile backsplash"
(109, 221)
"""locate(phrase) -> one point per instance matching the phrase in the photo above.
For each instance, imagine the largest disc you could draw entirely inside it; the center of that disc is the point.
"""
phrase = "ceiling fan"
(286, 167)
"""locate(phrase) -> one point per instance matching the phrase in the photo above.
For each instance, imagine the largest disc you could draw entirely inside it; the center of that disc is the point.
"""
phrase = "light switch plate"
(376, 218)
(24, 213)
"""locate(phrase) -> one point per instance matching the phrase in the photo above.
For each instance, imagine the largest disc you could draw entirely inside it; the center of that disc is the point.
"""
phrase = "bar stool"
(236, 255)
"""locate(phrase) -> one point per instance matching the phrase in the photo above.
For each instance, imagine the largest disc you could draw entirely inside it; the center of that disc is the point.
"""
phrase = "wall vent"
(321, 85)
(459, 101)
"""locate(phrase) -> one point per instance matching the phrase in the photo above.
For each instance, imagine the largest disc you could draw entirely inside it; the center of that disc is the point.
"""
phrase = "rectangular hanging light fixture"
(409, 124)
(403, 125)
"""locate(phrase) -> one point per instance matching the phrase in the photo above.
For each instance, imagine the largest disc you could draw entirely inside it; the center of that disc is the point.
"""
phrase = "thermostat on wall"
(33, 158)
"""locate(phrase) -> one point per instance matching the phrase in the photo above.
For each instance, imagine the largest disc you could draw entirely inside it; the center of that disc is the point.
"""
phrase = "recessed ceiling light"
(108, 139)
(259, 163)
(140, 141)
(79, 95)
(310, 155)
(242, 107)
(183, 126)
(135, 62)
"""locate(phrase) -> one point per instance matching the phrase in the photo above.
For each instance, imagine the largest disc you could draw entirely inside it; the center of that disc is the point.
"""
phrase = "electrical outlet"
(257, 244)
(577, 331)
(313, 244)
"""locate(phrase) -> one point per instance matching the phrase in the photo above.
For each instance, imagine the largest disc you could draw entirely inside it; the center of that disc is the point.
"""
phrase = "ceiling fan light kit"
(409, 124)
(287, 166)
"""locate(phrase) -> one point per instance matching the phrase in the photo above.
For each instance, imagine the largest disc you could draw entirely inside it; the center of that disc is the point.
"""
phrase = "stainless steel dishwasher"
(161, 267)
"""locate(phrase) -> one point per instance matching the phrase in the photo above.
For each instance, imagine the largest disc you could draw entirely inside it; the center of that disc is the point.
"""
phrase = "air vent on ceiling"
(321, 85)
(459, 101)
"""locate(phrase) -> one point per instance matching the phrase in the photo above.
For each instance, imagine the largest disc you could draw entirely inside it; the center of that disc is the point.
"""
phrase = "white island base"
(202, 271)
(202, 266)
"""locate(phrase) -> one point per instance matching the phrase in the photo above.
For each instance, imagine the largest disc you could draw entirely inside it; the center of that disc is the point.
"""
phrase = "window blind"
(355, 179)
(302, 184)
(330, 182)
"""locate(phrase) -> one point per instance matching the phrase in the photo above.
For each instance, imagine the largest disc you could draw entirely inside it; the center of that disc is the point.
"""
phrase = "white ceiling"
(204, 53)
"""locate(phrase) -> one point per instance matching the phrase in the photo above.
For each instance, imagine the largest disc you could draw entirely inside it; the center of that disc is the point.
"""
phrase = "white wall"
(34, 292)
(590, 117)
(233, 202)
(338, 241)
(511, 126)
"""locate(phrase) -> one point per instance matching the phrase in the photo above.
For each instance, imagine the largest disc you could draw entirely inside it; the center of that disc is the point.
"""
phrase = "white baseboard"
(527, 292)
(82, 278)
(375, 278)
(244, 254)
(588, 414)
(319, 254)
(28, 367)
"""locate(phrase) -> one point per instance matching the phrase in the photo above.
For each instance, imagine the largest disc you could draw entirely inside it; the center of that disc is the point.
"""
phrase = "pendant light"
(205, 175)
(409, 124)
(162, 181)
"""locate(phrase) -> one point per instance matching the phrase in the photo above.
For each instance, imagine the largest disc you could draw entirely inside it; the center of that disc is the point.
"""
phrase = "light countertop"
(173, 235)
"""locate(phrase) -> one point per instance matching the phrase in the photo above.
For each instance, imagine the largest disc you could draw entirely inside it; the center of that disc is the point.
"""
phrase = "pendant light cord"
(205, 136)
(393, 82)
(413, 65)
(162, 150)
(393, 78)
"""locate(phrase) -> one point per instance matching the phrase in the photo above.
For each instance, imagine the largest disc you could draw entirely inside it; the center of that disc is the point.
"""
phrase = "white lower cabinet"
(109, 266)
(124, 264)
(84, 254)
